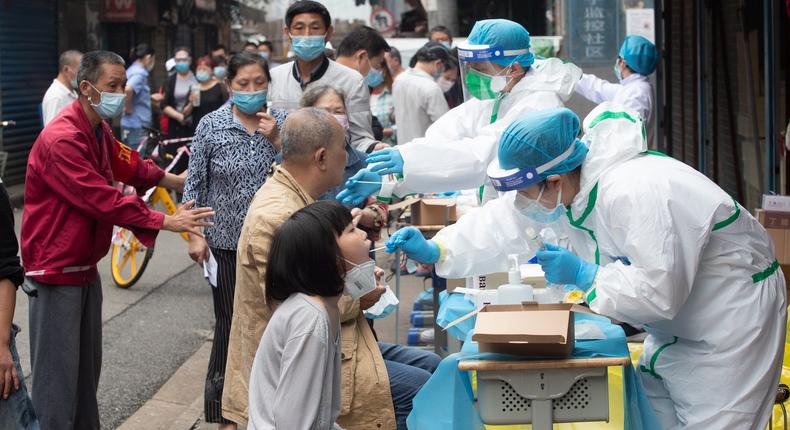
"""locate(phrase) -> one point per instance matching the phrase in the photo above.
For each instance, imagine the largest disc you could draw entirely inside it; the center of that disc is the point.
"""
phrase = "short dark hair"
(394, 52)
(141, 51)
(307, 6)
(304, 256)
(362, 37)
(268, 44)
(219, 46)
(92, 62)
(245, 58)
(182, 48)
(441, 29)
(431, 51)
(250, 43)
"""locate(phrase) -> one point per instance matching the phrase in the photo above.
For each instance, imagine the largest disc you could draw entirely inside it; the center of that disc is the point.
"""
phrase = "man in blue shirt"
(137, 112)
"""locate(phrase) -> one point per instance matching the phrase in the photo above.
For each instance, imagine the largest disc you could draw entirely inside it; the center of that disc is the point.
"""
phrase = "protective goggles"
(516, 179)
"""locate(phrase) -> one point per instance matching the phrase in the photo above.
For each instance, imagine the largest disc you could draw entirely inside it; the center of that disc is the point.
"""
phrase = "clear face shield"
(481, 77)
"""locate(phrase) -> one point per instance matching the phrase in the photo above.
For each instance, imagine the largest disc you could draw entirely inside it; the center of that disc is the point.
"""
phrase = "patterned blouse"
(227, 165)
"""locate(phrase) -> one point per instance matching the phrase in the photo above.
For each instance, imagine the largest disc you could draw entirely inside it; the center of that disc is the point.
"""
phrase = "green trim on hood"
(591, 199)
(611, 115)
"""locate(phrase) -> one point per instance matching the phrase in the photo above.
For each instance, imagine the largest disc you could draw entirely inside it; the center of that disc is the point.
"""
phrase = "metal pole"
(397, 294)
(700, 9)
(446, 14)
(658, 111)
(770, 95)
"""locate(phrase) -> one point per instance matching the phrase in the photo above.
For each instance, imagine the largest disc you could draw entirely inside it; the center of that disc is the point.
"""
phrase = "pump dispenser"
(514, 292)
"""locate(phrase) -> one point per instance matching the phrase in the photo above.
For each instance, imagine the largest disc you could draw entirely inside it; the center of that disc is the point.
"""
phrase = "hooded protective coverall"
(458, 147)
(677, 255)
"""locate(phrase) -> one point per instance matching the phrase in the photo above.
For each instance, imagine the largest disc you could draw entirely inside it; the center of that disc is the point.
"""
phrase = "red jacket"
(71, 204)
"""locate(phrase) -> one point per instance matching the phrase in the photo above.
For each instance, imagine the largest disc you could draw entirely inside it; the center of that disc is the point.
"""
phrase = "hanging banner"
(118, 10)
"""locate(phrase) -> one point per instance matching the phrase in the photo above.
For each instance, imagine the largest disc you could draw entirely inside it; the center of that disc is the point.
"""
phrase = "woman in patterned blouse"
(232, 154)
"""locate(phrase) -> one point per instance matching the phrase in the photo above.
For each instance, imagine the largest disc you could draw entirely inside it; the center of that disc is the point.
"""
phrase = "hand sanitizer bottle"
(514, 292)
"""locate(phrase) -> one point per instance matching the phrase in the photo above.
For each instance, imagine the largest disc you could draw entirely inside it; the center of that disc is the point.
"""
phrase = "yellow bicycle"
(129, 257)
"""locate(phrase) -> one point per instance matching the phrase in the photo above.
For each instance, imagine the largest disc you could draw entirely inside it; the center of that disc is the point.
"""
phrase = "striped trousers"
(223, 312)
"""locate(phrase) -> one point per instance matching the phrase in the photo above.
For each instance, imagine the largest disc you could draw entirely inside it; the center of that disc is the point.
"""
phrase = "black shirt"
(9, 248)
(210, 100)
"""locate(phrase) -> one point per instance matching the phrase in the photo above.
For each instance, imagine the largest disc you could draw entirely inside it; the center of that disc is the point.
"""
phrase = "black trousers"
(65, 353)
(223, 312)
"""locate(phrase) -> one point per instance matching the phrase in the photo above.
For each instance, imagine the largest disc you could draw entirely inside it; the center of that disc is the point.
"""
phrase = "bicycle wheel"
(129, 258)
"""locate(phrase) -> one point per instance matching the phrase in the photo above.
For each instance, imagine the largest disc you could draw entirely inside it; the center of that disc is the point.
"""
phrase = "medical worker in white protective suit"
(657, 244)
(502, 80)
(637, 59)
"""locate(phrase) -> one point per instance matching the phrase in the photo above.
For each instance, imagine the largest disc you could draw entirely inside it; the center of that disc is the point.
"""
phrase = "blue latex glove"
(564, 267)
(359, 187)
(411, 241)
(386, 161)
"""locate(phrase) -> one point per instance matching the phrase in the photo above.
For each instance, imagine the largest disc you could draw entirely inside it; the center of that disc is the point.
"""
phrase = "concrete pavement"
(184, 410)
(156, 339)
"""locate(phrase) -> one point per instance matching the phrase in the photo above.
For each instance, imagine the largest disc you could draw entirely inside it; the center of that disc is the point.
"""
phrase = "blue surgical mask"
(74, 83)
(308, 48)
(264, 55)
(111, 104)
(182, 67)
(446, 44)
(537, 212)
(249, 102)
(617, 72)
(220, 72)
(202, 76)
(374, 78)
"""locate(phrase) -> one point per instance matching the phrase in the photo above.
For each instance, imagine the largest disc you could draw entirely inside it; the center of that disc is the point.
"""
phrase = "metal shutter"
(28, 63)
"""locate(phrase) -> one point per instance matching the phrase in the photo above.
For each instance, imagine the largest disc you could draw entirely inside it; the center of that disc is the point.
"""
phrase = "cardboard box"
(778, 226)
(489, 281)
(776, 203)
(429, 211)
(526, 329)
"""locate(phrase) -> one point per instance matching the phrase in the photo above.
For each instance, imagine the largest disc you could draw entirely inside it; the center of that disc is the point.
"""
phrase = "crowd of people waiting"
(276, 175)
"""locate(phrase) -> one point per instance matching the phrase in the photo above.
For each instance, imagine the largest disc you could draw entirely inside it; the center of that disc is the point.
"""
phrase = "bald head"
(306, 131)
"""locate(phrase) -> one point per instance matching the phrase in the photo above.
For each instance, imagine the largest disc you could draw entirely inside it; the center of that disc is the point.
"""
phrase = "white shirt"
(57, 97)
(285, 92)
(634, 92)
(419, 102)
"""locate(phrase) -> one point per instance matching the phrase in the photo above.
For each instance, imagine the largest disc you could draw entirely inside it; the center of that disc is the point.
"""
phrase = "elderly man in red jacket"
(69, 213)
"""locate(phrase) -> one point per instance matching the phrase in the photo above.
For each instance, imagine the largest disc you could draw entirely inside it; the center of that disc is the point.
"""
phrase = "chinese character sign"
(593, 28)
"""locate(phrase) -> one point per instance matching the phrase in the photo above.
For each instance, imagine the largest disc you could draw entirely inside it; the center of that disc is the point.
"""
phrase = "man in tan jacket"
(313, 160)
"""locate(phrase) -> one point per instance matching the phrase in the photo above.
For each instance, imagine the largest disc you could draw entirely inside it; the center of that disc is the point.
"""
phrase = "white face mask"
(536, 211)
(386, 305)
(361, 279)
(445, 84)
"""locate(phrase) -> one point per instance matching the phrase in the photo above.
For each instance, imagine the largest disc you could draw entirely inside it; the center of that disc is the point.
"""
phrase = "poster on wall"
(641, 22)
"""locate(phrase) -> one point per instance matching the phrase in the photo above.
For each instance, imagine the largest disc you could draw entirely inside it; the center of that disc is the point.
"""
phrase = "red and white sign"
(119, 10)
(383, 20)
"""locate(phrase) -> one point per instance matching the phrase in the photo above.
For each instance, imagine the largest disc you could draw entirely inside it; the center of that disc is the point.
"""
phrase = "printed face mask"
(361, 279)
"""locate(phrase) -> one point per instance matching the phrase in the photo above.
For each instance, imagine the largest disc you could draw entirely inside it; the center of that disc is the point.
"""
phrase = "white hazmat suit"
(458, 147)
(677, 255)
